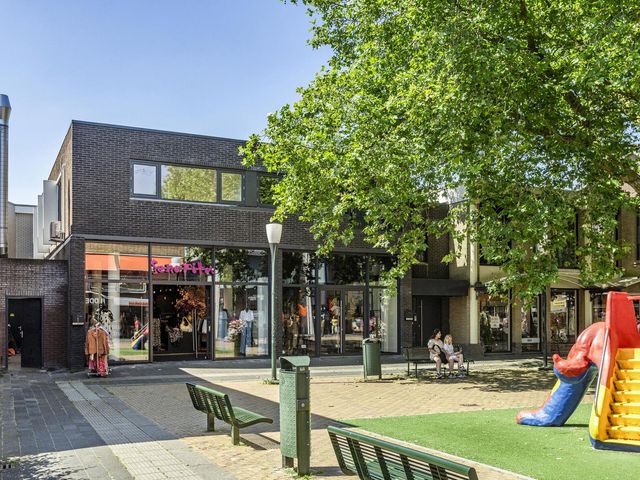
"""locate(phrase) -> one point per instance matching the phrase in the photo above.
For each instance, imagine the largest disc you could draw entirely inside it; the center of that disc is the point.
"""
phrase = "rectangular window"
(144, 179)
(231, 187)
(188, 183)
(265, 189)
(495, 323)
(564, 318)
(123, 311)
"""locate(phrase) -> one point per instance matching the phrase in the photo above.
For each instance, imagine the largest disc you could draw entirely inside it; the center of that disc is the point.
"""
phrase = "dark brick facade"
(101, 199)
(47, 280)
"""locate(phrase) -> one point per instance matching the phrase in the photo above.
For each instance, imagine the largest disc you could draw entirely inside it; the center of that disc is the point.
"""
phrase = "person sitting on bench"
(438, 353)
(454, 355)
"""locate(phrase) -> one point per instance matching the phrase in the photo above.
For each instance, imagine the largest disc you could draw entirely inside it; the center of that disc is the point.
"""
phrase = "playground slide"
(613, 347)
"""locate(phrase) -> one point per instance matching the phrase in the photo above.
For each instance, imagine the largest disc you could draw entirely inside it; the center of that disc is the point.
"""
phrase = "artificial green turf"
(494, 438)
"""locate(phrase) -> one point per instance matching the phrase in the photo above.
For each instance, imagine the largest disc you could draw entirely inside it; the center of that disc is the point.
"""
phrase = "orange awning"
(111, 263)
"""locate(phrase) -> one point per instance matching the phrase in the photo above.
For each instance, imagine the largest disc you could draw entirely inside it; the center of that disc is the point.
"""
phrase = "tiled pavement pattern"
(332, 397)
(145, 450)
(45, 436)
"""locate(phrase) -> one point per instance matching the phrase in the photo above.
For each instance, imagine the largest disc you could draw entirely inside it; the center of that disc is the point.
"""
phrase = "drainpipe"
(5, 112)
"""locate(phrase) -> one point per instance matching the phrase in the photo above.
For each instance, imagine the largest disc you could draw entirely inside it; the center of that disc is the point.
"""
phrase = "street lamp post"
(274, 233)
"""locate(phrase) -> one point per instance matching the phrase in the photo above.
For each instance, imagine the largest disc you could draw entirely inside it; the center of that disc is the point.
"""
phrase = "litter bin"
(295, 412)
(371, 357)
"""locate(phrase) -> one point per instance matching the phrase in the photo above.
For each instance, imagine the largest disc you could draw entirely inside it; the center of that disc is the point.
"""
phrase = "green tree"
(530, 108)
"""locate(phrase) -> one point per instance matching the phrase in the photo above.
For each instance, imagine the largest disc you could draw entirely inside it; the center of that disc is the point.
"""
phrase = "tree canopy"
(530, 108)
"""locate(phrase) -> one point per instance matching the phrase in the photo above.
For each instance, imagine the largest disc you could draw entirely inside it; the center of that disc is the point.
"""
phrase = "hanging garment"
(96, 342)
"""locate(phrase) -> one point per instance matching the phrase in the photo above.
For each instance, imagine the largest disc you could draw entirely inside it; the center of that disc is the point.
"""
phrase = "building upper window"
(187, 183)
(265, 189)
(231, 190)
(144, 179)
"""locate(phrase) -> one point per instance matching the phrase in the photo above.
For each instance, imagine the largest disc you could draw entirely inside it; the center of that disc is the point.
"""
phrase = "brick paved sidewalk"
(74, 431)
(332, 398)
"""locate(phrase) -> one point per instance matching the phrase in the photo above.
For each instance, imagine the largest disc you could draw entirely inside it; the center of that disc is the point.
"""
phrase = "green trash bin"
(371, 357)
(295, 413)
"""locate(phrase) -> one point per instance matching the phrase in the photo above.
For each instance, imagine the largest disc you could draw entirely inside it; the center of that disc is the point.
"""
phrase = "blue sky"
(213, 67)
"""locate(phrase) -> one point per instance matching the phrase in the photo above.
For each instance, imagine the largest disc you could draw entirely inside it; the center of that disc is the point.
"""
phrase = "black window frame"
(158, 183)
(243, 183)
(266, 175)
(132, 178)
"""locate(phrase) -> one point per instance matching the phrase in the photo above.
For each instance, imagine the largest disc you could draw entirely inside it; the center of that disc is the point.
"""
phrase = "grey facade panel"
(439, 287)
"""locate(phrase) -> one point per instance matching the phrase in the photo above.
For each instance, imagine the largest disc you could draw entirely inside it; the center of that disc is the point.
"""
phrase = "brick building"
(164, 236)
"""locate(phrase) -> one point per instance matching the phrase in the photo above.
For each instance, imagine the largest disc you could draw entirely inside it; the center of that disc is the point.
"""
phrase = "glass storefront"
(181, 301)
(563, 322)
(117, 296)
(241, 326)
(495, 323)
(180, 320)
(298, 325)
(123, 311)
(383, 319)
(531, 327)
(598, 307)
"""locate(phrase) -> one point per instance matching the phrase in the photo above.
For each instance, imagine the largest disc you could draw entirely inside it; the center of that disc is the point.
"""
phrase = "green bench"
(217, 405)
(374, 459)
(420, 355)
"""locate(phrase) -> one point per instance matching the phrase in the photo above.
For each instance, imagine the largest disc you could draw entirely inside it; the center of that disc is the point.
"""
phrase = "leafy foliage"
(530, 108)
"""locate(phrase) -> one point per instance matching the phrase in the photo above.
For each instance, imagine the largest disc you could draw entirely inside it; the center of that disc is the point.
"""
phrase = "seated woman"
(453, 355)
(438, 353)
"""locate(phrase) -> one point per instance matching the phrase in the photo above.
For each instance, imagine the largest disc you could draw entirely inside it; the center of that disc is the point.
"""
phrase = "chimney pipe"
(5, 112)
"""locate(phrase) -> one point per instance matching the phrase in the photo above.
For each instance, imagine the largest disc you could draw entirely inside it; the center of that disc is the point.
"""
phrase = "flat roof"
(153, 130)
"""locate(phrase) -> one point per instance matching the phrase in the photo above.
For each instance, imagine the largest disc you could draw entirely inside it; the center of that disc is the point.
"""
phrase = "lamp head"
(274, 233)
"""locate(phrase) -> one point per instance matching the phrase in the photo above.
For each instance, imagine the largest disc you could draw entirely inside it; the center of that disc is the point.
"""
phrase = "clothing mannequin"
(246, 318)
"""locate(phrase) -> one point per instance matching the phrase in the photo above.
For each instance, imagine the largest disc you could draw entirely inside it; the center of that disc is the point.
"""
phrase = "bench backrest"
(211, 401)
(416, 353)
(374, 459)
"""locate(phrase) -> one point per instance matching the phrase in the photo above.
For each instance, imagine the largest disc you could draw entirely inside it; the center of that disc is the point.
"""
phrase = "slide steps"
(624, 408)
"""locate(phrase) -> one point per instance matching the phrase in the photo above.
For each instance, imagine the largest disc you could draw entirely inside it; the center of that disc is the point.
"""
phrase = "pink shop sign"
(194, 267)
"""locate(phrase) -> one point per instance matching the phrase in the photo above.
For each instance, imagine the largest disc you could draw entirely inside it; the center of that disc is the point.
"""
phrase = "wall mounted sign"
(194, 267)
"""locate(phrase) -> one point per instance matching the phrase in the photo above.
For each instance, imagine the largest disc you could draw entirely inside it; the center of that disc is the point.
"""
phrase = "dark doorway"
(429, 316)
(25, 330)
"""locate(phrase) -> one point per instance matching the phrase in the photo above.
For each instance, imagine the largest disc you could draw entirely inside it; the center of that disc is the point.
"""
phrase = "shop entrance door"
(428, 312)
(341, 320)
(180, 321)
(25, 330)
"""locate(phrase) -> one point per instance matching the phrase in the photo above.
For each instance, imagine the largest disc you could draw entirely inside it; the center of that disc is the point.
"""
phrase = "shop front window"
(297, 318)
(122, 309)
(531, 327)
(181, 323)
(377, 267)
(495, 324)
(241, 265)
(298, 268)
(116, 261)
(564, 318)
(241, 320)
(383, 319)
(598, 307)
(340, 269)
